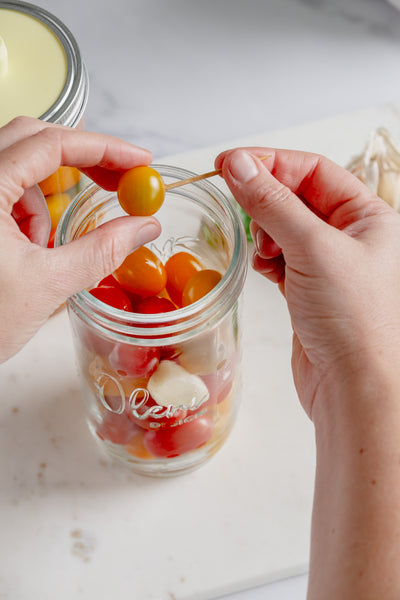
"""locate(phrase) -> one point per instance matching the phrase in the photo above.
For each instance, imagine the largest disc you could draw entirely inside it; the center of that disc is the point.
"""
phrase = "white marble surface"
(179, 75)
(85, 527)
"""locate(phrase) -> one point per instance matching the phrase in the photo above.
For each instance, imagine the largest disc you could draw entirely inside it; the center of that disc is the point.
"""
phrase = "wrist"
(359, 394)
(357, 486)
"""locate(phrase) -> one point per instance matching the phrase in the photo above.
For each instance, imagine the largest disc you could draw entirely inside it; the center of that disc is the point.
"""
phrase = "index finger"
(279, 191)
(36, 157)
(322, 183)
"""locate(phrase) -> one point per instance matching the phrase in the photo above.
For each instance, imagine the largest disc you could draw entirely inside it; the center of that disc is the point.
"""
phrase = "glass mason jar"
(162, 390)
(69, 105)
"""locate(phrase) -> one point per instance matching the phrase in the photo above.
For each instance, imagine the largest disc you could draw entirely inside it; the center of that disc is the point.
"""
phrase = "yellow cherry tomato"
(180, 267)
(60, 181)
(141, 191)
(199, 285)
(56, 204)
(142, 273)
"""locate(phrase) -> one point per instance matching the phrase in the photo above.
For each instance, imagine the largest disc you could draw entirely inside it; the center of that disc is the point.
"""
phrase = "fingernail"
(242, 167)
(259, 239)
(147, 233)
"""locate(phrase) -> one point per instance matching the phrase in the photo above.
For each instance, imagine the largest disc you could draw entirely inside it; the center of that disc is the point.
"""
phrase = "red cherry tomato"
(180, 267)
(174, 441)
(142, 273)
(199, 285)
(134, 361)
(93, 341)
(112, 295)
(118, 429)
(107, 281)
(146, 413)
(220, 382)
(50, 243)
(141, 191)
(154, 304)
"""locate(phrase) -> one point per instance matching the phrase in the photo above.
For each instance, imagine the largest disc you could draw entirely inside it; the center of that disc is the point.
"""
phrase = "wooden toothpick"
(175, 184)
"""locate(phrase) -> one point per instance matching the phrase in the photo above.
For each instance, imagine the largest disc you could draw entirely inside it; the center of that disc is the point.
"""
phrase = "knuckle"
(107, 252)
(20, 122)
(276, 194)
(50, 136)
(269, 200)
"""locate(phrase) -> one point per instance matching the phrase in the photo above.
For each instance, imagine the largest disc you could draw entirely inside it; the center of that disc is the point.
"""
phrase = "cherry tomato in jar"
(200, 284)
(136, 448)
(134, 361)
(220, 382)
(107, 281)
(112, 295)
(91, 339)
(146, 413)
(142, 273)
(141, 191)
(50, 243)
(154, 305)
(180, 267)
(56, 205)
(62, 180)
(174, 441)
(116, 428)
(112, 389)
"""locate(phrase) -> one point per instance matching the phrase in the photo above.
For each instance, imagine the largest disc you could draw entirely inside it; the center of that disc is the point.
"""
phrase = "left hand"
(35, 280)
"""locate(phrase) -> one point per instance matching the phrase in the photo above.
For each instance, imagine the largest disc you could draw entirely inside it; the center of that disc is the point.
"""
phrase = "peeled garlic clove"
(207, 352)
(389, 188)
(378, 166)
(172, 385)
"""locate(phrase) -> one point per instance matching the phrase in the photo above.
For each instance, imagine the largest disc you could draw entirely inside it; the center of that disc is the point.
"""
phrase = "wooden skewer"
(175, 184)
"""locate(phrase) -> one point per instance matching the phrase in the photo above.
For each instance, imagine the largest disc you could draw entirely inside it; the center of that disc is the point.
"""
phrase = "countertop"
(181, 75)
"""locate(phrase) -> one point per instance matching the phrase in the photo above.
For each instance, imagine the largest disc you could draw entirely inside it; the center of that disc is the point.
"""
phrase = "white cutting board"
(74, 525)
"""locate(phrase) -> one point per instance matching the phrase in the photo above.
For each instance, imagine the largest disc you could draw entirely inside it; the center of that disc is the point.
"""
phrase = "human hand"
(334, 249)
(35, 280)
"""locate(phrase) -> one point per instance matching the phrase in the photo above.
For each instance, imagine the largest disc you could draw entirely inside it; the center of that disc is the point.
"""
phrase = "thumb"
(83, 262)
(267, 201)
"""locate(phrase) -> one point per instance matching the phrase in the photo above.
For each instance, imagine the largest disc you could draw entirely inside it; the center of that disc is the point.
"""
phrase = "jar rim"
(70, 105)
(194, 317)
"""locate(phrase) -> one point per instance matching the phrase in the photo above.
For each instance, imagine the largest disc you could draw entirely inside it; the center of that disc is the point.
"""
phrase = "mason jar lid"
(70, 105)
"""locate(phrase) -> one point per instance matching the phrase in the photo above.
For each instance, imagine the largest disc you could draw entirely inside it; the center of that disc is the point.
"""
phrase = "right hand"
(334, 249)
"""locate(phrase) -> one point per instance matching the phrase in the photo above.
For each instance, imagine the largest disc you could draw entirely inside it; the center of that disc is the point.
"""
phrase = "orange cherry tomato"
(60, 181)
(137, 449)
(180, 267)
(142, 273)
(199, 285)
(56, 204)
(141, 191)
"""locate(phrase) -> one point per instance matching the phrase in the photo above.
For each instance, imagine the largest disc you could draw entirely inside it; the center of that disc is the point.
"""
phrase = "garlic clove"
(378, 166)
(172, 385)
(389, 188)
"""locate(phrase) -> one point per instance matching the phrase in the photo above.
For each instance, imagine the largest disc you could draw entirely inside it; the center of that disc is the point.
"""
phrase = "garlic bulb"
(379, 167)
